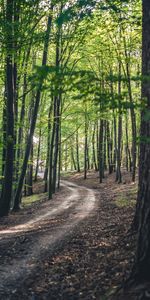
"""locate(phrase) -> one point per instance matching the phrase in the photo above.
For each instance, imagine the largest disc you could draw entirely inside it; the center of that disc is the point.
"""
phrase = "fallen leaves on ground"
(95, 258)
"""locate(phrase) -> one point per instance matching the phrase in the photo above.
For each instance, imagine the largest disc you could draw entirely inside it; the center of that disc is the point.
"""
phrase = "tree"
(6, 195)
(142, 262)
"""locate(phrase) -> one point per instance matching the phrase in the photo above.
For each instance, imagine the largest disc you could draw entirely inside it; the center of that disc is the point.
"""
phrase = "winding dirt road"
(47, 230)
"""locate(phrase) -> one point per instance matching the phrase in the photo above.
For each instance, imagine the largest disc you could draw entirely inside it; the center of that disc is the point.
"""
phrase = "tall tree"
(142, 263)
(6, 195)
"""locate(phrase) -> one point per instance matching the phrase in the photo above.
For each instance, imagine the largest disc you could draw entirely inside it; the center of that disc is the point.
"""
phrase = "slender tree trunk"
(66, 158)
(105, 148)
(118, 171)
(101, 162)
(22, 116)
(127, 145)
(51, 154)
(133, 116)
(56, 148)
(85, 144)
(133, 122)
(109, 149)
(93, 148)
(38, 156)
(115, 143)
(4, 134)
(48, 148)
(87, 154)
(30, 174)
(59, 158)
(97, 142)
(77, 151)
(72, 158)
(56, 127)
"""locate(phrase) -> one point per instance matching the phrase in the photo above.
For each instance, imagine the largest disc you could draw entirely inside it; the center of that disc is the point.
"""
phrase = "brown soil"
(77, 246)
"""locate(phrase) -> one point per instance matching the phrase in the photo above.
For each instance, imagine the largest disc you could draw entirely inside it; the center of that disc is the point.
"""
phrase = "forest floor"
(76, 246)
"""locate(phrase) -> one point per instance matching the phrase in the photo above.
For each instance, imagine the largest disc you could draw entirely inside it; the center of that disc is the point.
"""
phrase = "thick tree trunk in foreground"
(142, 263)
(8, 181)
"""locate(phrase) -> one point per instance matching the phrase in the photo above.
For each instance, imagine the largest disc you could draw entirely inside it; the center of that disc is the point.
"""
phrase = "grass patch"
(29, 200)
(124, 202)
(127, 198)
(68, 173)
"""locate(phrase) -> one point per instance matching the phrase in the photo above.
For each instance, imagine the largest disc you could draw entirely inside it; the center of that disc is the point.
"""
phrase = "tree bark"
(38, 156)
(141, 270)
(93, 148)
(6, 195)
(118, 171)
(77, 152)
(48, 148)
(101, 162)
(30, 174)
(85, 143)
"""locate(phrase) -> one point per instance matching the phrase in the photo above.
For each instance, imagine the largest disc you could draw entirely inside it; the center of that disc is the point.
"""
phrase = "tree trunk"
(118, 171)
(4, 134)
(48, 148)
(66, 158)
(101, 162)
(59, 158)
(6, 195)
(142, 263)
(72, 157)
(51, 154)
(109, 149)
(22, 116)
(133, 115)
(77, 152)
(30, 174)
(38, 156)
(105, 147)
(85, 143)
(56, 126)
(93, 148)
(56, 148)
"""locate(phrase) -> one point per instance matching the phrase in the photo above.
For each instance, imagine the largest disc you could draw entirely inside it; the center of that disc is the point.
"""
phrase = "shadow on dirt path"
(23, 245)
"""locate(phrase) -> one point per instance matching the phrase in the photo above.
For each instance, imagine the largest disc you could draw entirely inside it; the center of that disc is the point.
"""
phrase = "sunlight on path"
(63, 206)
(85, 201)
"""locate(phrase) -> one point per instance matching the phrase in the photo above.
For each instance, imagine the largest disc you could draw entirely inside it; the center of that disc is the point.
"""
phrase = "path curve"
(79, 204)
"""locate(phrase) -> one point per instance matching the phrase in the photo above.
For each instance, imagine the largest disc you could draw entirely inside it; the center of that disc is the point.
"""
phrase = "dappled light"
(74, 149)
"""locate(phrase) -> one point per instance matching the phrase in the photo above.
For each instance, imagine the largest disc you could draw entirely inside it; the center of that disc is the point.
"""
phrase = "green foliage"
(29, 200)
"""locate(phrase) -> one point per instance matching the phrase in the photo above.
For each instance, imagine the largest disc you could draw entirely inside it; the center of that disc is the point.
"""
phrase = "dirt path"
(74, 247)
(23, 245)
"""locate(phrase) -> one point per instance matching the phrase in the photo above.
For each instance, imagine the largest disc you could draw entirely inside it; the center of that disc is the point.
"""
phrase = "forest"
(75, 149)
